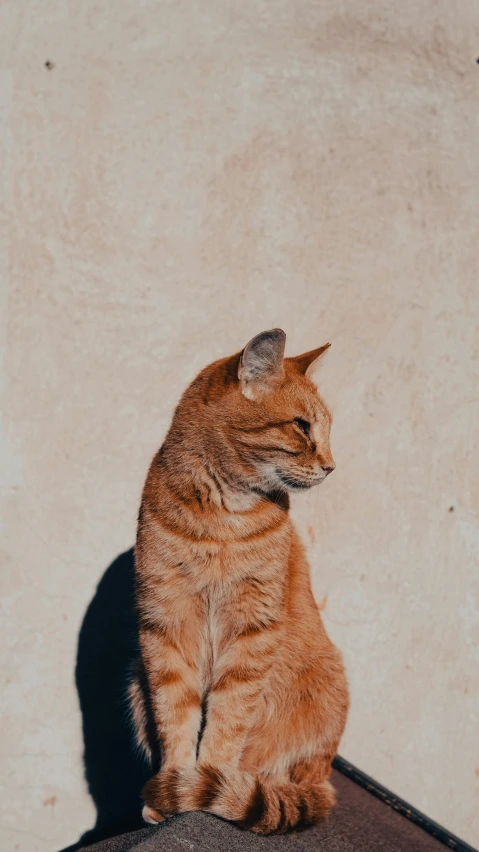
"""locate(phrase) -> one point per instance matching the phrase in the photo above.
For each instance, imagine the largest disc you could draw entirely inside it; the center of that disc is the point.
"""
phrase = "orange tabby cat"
(232, 643)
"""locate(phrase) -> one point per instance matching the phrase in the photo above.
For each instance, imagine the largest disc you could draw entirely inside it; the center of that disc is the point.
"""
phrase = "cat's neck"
(196, 480)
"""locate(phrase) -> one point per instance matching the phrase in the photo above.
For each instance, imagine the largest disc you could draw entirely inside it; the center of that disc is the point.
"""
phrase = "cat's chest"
(226, 564)
(218, 561)
(237, 607)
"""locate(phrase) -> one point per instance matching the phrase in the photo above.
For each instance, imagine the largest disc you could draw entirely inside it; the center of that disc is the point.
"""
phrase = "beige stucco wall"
(185, 176)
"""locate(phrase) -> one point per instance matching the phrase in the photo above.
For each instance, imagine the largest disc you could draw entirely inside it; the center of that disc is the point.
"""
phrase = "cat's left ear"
(304, 362)
(261, 364)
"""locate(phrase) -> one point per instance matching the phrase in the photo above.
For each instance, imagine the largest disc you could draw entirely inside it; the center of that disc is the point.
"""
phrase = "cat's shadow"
(107, 648)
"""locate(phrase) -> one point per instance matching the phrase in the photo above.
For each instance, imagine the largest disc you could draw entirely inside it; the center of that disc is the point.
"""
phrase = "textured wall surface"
(181, 177)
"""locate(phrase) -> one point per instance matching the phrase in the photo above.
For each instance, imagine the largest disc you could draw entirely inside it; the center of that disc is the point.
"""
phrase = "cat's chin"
(289, 483)
(272, 479)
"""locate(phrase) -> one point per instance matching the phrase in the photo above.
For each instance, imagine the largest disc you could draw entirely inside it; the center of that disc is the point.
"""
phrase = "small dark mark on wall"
(49, 65)
(451, 509)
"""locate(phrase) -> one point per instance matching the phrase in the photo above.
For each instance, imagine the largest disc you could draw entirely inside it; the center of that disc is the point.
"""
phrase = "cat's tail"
(260, 804)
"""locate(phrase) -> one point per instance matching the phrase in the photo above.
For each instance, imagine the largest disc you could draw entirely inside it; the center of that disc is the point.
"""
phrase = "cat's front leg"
(232, 705)
(175, 690)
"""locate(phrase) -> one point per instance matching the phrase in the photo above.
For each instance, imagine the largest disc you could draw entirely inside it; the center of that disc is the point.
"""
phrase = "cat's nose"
(328, 468)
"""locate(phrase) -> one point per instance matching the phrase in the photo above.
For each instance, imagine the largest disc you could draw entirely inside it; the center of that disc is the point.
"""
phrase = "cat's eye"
(302, 424)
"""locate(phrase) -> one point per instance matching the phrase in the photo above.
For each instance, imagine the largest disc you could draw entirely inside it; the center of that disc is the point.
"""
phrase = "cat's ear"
(304, 362)
(261, 363)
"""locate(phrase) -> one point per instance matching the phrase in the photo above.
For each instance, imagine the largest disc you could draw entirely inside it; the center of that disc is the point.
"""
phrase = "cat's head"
(262, 417)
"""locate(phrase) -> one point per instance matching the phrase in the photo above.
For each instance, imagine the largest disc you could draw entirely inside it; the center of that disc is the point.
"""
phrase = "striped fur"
(260, 804)
(247, 694)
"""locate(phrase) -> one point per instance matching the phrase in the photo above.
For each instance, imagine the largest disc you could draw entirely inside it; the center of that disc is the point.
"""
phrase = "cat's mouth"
(298, 484)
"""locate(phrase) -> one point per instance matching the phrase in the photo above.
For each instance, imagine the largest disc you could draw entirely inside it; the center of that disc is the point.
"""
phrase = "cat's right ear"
(261, 363)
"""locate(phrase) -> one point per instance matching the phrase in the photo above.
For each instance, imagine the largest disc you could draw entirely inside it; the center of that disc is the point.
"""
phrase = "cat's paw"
(161, 795)
(151, 816)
